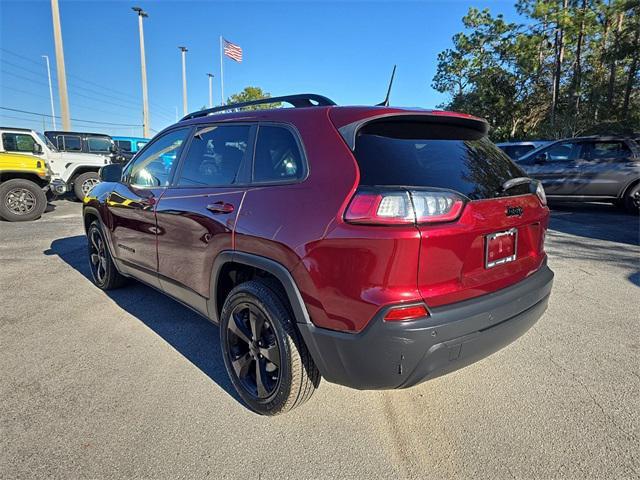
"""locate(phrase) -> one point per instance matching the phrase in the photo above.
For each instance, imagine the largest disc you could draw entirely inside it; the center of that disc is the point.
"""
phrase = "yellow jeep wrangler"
(24, 180)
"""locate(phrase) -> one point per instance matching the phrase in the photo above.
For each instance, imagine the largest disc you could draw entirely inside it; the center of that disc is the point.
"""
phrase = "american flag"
(232, 51)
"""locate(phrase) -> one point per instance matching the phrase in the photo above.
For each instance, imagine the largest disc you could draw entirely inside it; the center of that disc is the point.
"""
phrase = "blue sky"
(344, 50)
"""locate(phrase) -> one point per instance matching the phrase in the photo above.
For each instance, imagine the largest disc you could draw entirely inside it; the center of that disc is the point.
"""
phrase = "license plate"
(500, 247)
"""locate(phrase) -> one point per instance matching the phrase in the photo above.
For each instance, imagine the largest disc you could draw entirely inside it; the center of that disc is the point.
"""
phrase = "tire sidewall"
(275, 312)
(38, 193)
(629, 200)
(79, 181)
(110, 267)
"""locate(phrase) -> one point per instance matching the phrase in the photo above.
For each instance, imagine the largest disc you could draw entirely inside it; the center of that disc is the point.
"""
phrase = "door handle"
(220, 207)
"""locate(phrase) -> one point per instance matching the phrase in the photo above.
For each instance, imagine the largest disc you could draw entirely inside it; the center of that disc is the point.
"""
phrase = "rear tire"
(21, 200)
(265, 357)
(103, 269)
(83, 183)
(631, 199)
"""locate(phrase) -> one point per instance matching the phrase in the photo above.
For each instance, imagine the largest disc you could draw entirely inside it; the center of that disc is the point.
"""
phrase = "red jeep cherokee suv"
(376, 247)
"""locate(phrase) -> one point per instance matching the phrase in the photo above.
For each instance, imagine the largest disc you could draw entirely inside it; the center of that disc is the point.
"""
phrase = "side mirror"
(37, 149)
(111, 172)
(541, 158)
(113, 148)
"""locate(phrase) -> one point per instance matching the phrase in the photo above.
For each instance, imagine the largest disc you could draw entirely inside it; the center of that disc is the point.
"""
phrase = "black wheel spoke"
(260, 377)
(272, 354)
(241, 365)
(236, 325)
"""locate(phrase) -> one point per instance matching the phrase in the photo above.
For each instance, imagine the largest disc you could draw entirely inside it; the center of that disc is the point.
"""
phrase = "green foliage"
(572, 68)
(249, 94)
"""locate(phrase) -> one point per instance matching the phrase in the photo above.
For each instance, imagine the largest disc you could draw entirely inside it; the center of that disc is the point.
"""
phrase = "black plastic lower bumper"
(402, 354)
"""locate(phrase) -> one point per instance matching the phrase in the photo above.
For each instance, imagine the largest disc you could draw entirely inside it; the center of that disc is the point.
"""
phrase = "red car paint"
(346, 273)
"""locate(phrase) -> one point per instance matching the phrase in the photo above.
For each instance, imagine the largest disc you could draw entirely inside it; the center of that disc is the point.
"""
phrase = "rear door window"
(99, 145)
(615, 150)
(70, 143)
(474, 167)
(215, 156)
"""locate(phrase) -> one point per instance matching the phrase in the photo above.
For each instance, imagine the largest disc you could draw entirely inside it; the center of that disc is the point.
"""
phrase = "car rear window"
(471, 166)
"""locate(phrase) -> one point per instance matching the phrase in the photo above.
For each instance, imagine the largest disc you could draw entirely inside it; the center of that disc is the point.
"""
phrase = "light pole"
(184, 79)
(53, 110)
(62, 76)
(210, 75)
(143, 71)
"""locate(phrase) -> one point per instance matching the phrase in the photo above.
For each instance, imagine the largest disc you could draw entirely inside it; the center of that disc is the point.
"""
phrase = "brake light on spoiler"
(404, 207)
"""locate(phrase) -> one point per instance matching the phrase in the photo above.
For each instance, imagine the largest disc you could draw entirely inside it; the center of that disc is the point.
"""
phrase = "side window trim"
(126, 174)
(242, 170)
(303, 155)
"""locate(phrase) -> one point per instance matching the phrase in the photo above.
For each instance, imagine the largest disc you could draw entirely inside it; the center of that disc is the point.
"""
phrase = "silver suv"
(598, 168)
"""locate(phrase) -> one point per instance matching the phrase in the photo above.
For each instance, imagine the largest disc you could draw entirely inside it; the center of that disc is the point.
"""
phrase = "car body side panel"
(190, 236)
(133, 226)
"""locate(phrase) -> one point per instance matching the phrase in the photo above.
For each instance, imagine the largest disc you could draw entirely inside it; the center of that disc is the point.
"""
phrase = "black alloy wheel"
(253, 350)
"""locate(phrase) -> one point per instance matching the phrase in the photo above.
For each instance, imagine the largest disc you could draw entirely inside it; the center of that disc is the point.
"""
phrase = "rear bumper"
(402, 354)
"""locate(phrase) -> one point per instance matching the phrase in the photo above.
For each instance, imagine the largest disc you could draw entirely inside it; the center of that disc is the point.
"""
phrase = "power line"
(128, 95)
(74, 119)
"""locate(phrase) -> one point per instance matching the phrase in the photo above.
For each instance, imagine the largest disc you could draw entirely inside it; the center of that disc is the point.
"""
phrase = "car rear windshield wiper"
(514, 182)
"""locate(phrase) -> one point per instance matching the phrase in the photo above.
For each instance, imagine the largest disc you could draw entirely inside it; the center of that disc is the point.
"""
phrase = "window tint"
(124, 145)
(17, 142)
(475, 168)
(609, 150)
(564, 152)
(152, 167)
(70, 143)
(277, 156)
(97, 144)
(215, 155)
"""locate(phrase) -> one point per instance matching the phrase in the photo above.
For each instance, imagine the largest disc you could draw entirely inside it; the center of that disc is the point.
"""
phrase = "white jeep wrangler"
(70, 171)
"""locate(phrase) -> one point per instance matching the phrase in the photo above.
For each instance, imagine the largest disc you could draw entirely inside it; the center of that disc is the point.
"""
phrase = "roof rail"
(297, 101)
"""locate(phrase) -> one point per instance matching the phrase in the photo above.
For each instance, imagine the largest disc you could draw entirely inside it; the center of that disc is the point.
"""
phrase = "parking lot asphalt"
(131, 384)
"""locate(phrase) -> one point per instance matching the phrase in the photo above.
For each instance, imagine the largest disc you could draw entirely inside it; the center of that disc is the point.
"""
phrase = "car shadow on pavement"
(596, 220)
(190, 334)
(573, 227)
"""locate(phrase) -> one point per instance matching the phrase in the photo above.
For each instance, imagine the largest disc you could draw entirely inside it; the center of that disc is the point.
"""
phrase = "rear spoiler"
(430, 125)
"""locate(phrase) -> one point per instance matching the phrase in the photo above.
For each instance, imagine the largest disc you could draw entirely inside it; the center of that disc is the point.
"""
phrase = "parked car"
(596, 168)
(23, 182)
(85, 142)
(74, 171)
(516, 150)
(376, 247)
(129, 146)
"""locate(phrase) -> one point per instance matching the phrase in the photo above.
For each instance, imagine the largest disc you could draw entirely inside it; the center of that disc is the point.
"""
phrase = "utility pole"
(143, 70)
(53, 110)
(210, 75)
(62, 76)
(184, 79)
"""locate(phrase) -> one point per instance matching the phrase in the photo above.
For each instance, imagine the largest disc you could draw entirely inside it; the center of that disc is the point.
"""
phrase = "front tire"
(265, 357)
(83, 184)
(103, 270)
(21, 200)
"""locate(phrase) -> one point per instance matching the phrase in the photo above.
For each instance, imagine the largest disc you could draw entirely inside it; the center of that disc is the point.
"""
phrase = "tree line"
(572, 67)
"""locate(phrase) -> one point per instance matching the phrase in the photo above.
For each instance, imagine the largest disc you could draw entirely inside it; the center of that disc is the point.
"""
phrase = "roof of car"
(18, 129)
(63, 132)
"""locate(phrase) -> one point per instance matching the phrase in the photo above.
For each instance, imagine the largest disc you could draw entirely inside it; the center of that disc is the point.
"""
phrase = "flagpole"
(221, 75)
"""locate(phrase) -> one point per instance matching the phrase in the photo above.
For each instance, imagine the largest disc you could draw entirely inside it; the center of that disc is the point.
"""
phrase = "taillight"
(540, 193)
(399, 207)
(402, 314)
